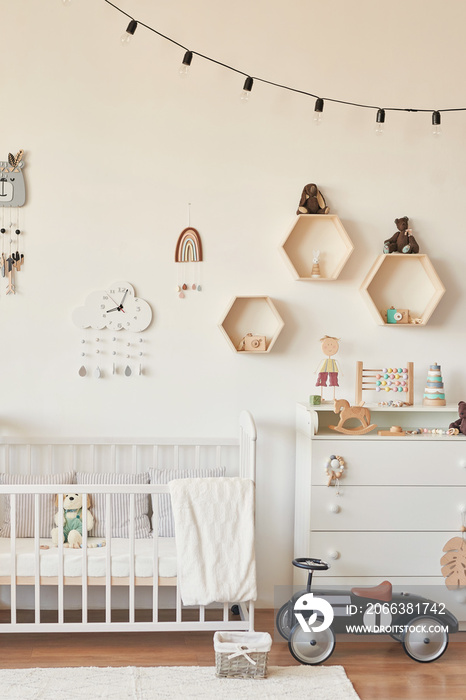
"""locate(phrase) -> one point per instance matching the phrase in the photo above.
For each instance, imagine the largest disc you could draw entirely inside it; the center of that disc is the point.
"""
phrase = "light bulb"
(318, 109)
(184, 68)
(436, 122)
(247, 87)
(128, 35)
(380, 122)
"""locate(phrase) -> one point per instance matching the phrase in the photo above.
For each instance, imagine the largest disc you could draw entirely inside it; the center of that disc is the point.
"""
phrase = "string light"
(436, 121)
(128, 35)
(184, 68)
(132, 26)
(318, 109)
(379, 122)
(247, 87)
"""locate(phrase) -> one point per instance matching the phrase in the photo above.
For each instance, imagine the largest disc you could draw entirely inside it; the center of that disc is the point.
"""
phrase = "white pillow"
(163, 476)
(120, 504)
(25, 504)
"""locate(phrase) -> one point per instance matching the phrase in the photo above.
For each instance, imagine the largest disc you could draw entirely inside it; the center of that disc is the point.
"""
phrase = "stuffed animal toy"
(72, 521)
(460, 424)
(403, 240)
(312, 201)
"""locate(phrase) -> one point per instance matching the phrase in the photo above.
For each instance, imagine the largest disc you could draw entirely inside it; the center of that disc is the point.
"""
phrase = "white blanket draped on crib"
(214, 528)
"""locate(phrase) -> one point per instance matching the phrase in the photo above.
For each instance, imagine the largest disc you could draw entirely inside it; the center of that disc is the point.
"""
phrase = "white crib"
(141, 563)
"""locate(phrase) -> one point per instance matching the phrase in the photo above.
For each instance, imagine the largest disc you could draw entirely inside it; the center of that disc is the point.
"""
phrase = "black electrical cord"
(278, 85)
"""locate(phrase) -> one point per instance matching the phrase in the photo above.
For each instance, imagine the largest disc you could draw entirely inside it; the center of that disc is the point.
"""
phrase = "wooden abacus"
(399, 380)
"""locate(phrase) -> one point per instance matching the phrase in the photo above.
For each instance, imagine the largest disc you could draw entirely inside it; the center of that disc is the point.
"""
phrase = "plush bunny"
(312, 201)
(72, 521)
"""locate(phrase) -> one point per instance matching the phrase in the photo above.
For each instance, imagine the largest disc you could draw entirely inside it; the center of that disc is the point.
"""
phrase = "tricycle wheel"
(424, 639)
(311, 647)
(284, 620)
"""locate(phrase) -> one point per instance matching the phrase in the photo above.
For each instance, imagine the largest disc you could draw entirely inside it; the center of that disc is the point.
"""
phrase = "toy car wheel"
(284, 620)
(425, 640)
(311, 647)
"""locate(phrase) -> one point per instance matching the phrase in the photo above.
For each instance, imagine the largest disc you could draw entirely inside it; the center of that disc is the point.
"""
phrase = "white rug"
(173, 683)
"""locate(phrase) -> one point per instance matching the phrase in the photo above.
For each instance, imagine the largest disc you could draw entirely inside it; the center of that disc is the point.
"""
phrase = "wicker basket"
(241, 654)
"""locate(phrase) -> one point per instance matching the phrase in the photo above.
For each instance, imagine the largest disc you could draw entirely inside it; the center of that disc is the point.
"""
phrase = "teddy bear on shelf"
(460, 424)
(72, 521)
(403, 240)
(312, 201)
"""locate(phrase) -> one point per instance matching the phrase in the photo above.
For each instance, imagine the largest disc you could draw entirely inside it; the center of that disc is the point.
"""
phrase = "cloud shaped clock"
(116, 308)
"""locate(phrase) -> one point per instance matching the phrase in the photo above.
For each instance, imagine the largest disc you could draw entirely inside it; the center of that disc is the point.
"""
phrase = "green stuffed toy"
(72, 521)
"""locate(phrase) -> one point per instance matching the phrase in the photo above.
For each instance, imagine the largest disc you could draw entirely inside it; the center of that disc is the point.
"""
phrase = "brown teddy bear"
(460, 424)
(312, 201)
(403, 240)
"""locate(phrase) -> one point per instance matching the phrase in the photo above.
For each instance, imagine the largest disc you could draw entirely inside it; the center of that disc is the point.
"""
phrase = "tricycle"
(311, 618)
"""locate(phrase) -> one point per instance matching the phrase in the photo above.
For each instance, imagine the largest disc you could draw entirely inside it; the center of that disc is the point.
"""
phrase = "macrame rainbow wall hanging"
(188, 251)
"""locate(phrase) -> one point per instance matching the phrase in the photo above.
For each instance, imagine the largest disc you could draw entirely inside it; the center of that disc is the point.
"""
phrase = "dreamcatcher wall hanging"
(12, 197)
(189, 252)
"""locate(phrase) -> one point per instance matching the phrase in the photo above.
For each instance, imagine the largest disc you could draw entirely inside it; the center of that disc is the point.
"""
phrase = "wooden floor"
(379, 670)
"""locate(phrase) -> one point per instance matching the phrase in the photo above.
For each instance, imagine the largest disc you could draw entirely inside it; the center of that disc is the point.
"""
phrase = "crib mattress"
(96, 559)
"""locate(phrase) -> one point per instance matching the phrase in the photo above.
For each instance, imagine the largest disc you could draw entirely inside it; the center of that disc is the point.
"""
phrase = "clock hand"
(123, 300)
(117, 308)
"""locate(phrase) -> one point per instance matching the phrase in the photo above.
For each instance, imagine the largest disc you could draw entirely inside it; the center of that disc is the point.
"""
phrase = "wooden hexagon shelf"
(404, 282)
(323, 232)
(256, 315)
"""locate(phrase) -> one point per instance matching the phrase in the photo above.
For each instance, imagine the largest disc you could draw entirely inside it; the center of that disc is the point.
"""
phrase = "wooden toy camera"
(253, 343)
(397, 315)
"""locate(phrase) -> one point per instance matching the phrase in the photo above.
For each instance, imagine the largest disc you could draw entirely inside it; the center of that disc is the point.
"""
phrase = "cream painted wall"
(116, 145)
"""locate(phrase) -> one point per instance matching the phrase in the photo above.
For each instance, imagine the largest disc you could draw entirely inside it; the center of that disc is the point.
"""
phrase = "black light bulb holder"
(248, 83)
(436, 118)
(132, 26)
(380, 118)
(188, 57)
(319, 106)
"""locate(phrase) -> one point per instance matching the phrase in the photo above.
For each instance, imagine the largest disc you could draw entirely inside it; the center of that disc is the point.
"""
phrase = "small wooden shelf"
(255, 314)
(404, 282)
(323, 232)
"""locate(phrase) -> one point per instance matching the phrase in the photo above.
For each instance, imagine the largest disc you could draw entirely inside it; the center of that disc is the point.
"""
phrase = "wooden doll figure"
(329, 368)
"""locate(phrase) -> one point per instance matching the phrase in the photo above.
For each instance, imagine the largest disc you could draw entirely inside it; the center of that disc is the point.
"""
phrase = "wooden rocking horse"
(342, 408)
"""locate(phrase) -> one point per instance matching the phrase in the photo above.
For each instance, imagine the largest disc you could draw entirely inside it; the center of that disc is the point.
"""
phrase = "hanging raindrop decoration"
(188, 251)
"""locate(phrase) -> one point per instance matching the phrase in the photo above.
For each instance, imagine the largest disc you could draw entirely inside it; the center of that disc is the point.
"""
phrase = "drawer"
(383, 554)
(387, 507)
(381, 462)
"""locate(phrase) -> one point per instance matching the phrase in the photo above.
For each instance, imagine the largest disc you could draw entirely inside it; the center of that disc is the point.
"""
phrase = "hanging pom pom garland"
(12, 197)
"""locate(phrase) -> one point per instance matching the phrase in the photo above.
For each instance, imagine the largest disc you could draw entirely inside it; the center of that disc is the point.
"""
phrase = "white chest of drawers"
(400, 500)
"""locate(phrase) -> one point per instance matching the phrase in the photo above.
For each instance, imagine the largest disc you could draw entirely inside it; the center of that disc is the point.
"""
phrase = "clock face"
(116, 308)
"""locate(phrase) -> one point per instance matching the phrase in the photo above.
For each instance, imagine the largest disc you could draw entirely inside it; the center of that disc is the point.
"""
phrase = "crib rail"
(50, 455)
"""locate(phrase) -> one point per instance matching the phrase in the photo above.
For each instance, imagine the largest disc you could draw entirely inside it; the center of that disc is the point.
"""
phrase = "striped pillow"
(25, 504)
(120, 503)
(163, 476)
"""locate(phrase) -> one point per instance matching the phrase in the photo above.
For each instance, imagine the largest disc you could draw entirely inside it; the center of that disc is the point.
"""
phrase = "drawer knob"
(334, 508)
(461, 598)
(462, 463)
(333, 554)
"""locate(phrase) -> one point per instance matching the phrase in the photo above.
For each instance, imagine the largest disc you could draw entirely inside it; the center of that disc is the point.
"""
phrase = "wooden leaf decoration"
(454, 563)
(15, 160)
